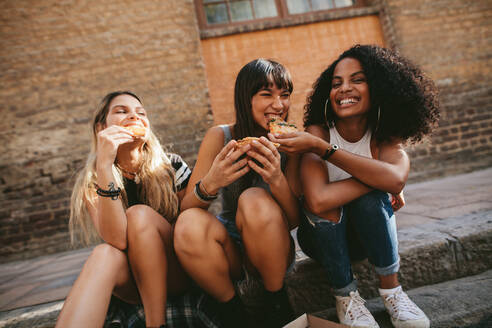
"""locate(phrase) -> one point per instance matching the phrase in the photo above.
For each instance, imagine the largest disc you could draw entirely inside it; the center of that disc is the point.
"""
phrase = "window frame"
(283, 13)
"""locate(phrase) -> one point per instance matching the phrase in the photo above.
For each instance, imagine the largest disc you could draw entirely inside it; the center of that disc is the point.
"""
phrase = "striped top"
(182, 174)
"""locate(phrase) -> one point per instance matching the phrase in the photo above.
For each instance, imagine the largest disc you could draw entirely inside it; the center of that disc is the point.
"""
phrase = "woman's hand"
(298, 142)
(108, 141)
(226, 167)
(266, 154)
(397, 201)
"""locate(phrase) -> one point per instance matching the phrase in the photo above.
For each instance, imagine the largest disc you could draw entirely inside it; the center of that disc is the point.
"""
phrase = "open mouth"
(346, 102)
(271, 116)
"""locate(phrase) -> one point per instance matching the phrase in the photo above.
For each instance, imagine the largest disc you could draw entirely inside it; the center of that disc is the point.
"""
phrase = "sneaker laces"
(402, 307)
(356, 311)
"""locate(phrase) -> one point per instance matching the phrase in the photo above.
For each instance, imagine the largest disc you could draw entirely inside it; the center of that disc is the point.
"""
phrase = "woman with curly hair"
(363, 108)
(127, 195)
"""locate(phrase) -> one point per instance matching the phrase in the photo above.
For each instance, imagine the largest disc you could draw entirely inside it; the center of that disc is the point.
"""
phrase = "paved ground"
(49, 278)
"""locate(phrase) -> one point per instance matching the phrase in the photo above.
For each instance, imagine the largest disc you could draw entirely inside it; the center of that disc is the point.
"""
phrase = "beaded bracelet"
(112, 192)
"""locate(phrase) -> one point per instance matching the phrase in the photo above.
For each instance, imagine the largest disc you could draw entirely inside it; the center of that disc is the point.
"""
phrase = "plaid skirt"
(194, 309)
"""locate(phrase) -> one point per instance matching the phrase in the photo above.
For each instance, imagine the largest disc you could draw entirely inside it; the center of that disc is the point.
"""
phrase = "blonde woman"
(127, 195)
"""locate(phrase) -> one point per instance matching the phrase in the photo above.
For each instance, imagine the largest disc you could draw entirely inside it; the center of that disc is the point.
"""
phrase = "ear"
(99, 127)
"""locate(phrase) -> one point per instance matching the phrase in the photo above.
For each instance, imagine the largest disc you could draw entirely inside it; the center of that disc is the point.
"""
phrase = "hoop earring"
(377, 122)
(326, 107)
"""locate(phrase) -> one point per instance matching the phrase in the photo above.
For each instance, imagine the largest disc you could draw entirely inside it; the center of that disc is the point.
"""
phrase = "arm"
(108, 215)
(388, 173)
(266, 154)
(216, 167)
(292, 173)
(321, 196)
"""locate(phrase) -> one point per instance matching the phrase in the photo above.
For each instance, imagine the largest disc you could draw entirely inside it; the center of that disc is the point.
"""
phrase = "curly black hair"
(406, 98)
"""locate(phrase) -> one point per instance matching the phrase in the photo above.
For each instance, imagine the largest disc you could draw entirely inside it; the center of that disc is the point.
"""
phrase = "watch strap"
(329, 152)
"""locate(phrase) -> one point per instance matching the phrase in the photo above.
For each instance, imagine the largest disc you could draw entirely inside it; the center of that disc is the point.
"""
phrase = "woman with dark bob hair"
(259, 207)
(363, 108)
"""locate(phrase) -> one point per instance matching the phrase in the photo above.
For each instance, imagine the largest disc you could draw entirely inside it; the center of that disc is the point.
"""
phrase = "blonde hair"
(157, 188)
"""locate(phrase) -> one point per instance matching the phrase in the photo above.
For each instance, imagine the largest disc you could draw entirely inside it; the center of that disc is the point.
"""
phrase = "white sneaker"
(403, 312)
(351, 311)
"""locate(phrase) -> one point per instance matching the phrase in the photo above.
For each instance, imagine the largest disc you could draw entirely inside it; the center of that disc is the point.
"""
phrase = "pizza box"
(310, 321)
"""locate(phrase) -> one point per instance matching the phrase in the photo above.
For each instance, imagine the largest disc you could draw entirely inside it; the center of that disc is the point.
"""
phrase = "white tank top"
(361, 147)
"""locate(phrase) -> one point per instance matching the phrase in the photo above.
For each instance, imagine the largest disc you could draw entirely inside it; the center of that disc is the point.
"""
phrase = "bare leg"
(207, 252)
(265, 234)
(87, 303)
(388, 282)
(153, 261)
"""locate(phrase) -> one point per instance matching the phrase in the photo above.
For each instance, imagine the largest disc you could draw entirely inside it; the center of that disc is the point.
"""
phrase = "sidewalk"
(49, 278)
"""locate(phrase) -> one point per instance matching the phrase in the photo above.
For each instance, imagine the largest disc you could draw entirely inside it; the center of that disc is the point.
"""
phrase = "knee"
(258, 209)
(373, 199)
(137, 219)
(190, 231)
(372, 204)
(107, 256)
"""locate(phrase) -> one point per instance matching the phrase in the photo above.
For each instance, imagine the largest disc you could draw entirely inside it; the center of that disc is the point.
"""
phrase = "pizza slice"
(248, 140)
(279, 126)
(138, 131)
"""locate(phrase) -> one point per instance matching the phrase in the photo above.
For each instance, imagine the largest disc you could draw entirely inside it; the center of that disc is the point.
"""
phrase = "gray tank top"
(229, 195)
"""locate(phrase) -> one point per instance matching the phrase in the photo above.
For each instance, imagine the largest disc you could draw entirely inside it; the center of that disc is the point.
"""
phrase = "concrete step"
(434, 252)
(457, 303)
(430, 253)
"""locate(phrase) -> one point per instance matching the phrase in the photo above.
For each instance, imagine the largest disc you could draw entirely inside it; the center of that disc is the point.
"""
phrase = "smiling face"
(125, 110)
(349, 95)
(270, 102)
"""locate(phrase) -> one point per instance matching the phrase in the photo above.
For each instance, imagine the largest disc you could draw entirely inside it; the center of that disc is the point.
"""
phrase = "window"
(227, 11)
(304, 6)
(219, 13)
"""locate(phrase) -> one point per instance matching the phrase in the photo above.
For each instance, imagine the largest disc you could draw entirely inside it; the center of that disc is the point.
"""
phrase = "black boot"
(279, 310)
(232, 313)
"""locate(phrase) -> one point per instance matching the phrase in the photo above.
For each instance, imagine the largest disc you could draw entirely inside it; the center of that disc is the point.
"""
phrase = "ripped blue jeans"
(367, 229)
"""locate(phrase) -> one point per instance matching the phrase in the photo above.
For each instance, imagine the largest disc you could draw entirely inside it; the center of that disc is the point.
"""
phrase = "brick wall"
(306, 50)
(57, 60)
(449, 39)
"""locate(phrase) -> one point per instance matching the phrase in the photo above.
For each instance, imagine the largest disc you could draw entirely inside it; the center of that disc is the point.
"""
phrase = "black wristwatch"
(329, 152)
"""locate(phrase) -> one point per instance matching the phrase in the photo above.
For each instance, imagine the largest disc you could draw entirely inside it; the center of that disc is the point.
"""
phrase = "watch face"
(334, 147)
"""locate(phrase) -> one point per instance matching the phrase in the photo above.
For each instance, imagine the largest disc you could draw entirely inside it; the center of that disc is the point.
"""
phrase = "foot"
(232, 314)
(279, 311)
(351, 311)
(403, 312)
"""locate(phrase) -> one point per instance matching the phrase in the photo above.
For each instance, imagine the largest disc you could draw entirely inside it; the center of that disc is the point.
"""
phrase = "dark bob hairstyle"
(404, 101)
(254, 76)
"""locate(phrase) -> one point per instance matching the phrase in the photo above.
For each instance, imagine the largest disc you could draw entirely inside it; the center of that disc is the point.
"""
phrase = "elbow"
(315, 205)
(119, 244)
(397, 186)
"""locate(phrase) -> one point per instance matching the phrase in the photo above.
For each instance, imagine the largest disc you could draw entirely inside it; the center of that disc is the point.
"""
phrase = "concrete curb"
(457, 303)
(430, 253)
(37, 316)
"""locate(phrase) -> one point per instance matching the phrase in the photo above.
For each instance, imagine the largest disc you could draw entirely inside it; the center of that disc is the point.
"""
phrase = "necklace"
(134, 176)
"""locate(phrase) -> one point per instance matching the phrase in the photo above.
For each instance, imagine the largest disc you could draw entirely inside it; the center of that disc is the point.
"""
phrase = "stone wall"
(57, 60)
(450, 40)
